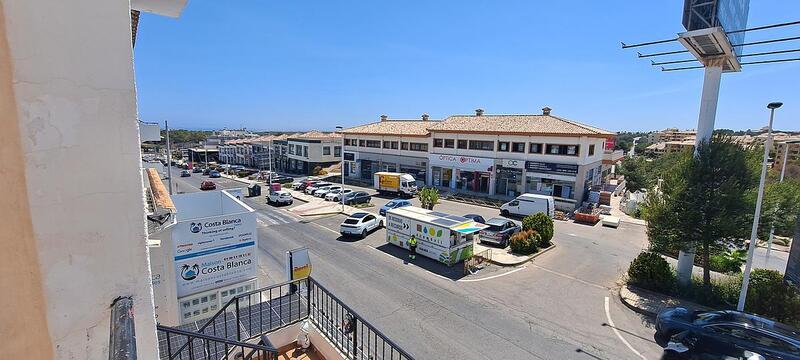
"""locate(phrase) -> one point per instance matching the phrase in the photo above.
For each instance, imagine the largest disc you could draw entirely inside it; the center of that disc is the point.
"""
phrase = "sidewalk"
(315, 206)
(651, 303)
(504, 257)
(615, 211)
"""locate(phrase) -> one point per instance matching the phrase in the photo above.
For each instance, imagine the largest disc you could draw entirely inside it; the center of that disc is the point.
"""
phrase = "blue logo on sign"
(190, 272)
(195, 227)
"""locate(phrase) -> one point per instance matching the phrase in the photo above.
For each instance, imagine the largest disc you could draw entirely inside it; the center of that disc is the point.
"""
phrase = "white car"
(310, 190)
(360, 224)
(336, 195)
(280, 197)
(320, 193)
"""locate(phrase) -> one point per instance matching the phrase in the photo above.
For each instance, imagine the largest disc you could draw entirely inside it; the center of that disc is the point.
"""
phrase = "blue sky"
(301, 65)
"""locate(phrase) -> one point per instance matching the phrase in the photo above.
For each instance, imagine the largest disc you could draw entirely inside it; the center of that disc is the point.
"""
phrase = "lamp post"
(341, 168)
(754, 231)
(169, 158)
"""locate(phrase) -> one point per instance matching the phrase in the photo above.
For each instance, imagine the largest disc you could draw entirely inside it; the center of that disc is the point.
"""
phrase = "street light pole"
(341, 167)
(169, 159)
(754, 231)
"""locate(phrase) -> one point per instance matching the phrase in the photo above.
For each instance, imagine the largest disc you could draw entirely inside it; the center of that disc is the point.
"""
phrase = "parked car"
(528, 204)
(280, 197)
(280, 179)
(394, 204)
(208, 185)
(321, 192)
(336, 195)
(304, 184)
(206, 171)
(499, 231)
(724, 334)
(310, 189)
(357, 197)
(214, 174)
(197, 170)
(476, 218)
(185, 173)
(360, 224)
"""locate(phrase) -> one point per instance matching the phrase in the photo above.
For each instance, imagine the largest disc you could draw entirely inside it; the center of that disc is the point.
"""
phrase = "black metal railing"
(250, 315)
(183, 344)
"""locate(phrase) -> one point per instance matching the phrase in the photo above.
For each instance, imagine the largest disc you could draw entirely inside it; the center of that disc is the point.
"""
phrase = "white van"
(527, 204)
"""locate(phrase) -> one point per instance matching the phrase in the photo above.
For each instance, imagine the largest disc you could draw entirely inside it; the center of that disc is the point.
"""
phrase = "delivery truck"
(395, 183)
(443, 237)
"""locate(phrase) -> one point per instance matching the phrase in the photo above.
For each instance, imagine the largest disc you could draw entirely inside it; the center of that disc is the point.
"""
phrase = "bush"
(770, 296)
(525, 242)
(724, 264)
(650, 271)
(542, 224)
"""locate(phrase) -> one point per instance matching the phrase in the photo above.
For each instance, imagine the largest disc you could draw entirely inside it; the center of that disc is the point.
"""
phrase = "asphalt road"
(551, 308)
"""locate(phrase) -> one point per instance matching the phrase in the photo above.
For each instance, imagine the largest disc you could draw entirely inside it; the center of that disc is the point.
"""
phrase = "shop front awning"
(469, 228)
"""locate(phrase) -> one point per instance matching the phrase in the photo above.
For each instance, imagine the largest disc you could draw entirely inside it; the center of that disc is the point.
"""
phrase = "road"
(560, 306)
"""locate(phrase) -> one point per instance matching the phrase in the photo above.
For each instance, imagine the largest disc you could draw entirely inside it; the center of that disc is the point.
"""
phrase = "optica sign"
(461, 162)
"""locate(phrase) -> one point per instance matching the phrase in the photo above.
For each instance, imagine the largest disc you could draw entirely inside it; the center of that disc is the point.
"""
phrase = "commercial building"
(498, 156)
(311, 150)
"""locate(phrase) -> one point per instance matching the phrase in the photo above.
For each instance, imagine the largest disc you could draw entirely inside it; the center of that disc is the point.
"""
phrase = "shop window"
(373, 144)
(419, 147)
(326, 150)
(502, 146)
(518, 147)
(449, 143)
(481, 145)
(437, 143)
(403, 146)
(591, 150)
(462, 144)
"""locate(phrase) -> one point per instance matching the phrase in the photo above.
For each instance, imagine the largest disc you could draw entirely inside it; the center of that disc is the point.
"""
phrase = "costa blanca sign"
(195, 274)
(202, 235)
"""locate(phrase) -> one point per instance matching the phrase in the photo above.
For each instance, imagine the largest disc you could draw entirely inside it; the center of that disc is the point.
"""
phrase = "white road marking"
(569, 277)
(611, 323)
(267, 218)
(326, 228)
(570, 234)
(493, 276)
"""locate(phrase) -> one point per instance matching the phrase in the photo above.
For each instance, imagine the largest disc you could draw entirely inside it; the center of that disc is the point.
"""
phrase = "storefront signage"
(195, 274)
(461, 162)
(202, 235)
(551, 168)
(513, 163)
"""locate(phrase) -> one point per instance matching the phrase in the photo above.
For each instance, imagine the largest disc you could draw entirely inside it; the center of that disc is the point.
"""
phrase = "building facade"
(498, 156)
(309, 151)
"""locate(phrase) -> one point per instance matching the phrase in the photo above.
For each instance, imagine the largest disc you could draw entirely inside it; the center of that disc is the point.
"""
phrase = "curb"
(627, 304)
(530, 257)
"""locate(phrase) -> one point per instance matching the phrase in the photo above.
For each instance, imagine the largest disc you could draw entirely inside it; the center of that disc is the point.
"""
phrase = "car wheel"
(363, 233)
(504, 212)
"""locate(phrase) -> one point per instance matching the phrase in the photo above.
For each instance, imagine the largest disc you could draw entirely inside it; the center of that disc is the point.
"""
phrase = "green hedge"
(650, 271)
(542, 224)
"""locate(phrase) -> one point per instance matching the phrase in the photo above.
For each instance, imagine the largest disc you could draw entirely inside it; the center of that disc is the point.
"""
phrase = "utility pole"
(169, 159)
(754, 232)
(341, 167)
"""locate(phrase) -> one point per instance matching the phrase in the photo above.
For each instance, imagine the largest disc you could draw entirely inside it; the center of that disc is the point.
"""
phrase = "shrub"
(524, 242)
(770, 296)
(723, 264)
(652, 272)
(542, 224)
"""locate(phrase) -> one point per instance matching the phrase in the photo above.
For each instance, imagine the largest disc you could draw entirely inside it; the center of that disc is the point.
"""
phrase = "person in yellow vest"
(412, 247)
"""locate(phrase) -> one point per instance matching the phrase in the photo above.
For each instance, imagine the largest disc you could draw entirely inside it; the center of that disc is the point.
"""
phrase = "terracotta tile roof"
(393, 127)
(315, 135)
(517, 124)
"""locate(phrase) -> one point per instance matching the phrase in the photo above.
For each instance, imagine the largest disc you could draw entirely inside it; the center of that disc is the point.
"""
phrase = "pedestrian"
(412, 247)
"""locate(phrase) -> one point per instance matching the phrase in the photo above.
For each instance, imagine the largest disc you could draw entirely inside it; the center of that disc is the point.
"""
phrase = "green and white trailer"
(443, 237)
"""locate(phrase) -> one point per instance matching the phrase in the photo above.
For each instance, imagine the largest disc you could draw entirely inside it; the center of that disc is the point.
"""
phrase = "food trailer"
(440, 236)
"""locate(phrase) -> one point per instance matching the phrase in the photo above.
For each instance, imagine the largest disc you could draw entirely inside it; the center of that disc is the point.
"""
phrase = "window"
(449, 143)
(362, 143)
(481, 145)
(437, 143)
(571, 150)
(326, 150)
(403, 146)
(386, 145)
(305, 151)
(591, 150)
(535, 148)
(373, 144)
(393, 144)
(346, 142)
(291, 149)
(518, 147)
(502, 146)
(462, 144)
(337, 151)
(419, 147)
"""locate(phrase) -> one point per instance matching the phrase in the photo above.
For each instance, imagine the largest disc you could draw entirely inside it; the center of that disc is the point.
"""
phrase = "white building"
(312, 149)
(487, 155)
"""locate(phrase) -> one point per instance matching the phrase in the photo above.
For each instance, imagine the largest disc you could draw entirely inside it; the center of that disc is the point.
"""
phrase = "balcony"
(266, 323)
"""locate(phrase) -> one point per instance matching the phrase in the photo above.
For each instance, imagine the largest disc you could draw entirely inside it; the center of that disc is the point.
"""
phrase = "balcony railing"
(245, 318)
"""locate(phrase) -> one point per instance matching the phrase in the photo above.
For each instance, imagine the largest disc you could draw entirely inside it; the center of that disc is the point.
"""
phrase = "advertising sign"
(389, 181)
(206, 234)
(551, 168)
(196, 273)
(298, 264)
(514, 163)
(461, 162)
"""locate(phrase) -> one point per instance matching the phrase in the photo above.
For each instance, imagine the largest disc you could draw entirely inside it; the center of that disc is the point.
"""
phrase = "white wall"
(582, 159)
(75, 95)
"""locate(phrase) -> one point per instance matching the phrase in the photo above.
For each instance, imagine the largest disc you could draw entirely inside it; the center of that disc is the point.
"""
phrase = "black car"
(280, 179)
(357, 197)
(476, 218)
(724, 333)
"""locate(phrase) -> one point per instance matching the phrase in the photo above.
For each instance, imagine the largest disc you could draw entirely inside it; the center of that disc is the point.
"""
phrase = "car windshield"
(351, 221)
(391, 203)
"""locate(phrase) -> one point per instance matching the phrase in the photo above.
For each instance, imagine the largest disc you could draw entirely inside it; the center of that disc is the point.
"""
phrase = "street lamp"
(754, 231)
(341, 168)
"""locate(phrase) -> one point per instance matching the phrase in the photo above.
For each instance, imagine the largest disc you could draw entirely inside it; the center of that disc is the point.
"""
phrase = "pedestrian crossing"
(272, 218)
